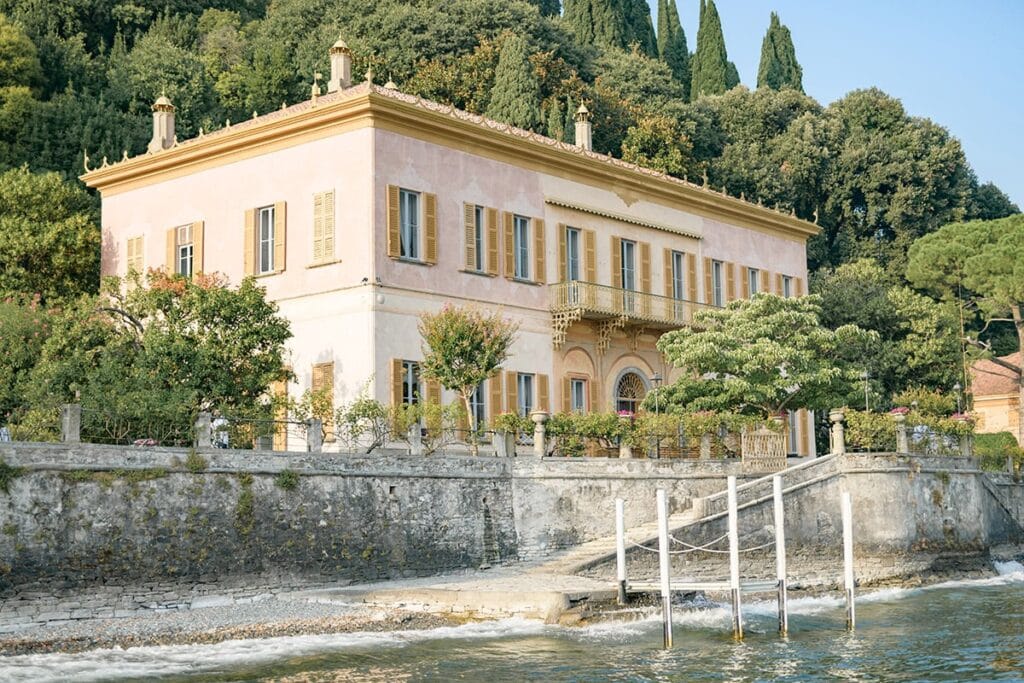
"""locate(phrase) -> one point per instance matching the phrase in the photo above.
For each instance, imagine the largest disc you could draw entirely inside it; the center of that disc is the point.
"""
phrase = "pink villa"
(364, 207)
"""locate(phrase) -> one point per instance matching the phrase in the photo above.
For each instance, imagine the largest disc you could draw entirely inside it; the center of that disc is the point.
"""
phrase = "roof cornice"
(366, 105)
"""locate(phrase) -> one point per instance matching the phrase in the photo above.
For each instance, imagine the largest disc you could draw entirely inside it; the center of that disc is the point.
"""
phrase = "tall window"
(521, 246)
(183, 251)
(717, 283)
(476, 404)
(628, 265)
(410, 382)
(265, 245)
(578, 395)
(409, 223)
(629, 392)
(524, 393)
(792, 432)
(753, 281)
(678, 275)
(478, 238)
(572, 254)
(134, 255)
(787, 286)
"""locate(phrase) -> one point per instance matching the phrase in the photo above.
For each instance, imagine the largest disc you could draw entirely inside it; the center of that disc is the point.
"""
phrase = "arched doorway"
(630, 391)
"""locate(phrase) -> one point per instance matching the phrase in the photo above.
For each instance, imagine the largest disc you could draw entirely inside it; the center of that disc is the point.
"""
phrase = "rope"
(654, 550)
(701, 547)
(759, 547)
(695, 548)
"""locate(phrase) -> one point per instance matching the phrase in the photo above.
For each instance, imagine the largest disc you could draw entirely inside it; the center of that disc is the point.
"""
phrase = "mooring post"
(848, 560)
(664, 567)
(620, 549)
(734, 561)
(780, 554)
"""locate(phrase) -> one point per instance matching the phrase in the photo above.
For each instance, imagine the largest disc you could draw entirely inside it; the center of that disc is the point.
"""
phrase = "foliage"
(515, 97)
(512, 423)
(437, 424)
(612, 23)
(926, 402)
(917, 342)
(991, 203)
(8, 474)
(318, 405)
(464, 346)
(194, 462)
(993, 450)
(868, 431)
(49, 237)
(363, 424)
(672, 44)
(19, 59)
(287, 480)
(762, 356)
(710, 63)
(24, 328)
(659, 143)
(778, 68)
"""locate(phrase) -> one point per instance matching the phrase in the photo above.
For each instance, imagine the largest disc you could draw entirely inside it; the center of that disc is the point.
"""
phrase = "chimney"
(341, 67)
(584, 131)
(163, 125)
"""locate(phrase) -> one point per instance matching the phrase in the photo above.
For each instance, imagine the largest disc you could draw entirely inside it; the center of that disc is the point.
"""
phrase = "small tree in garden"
(462, 347)
(759, 356)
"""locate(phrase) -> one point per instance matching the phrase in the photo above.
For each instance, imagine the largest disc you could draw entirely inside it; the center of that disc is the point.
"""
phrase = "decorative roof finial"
(315, 90)
(705, 177)
(85, 160)
(390, 85)
(815, 216)
(369, 75)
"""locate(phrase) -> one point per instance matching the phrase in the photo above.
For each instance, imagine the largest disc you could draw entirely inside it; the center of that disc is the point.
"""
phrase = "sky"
(958, 63)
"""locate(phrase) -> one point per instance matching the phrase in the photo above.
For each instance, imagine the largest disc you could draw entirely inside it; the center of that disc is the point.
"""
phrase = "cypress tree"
(569, 129)
(672, 46)
(639, 27)
(548, 8)
(779, 68)
(515, 95)
(596, 21)
(710, 63)
(556, 122)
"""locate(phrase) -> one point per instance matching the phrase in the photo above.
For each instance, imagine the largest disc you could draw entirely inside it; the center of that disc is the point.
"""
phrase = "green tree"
(462, 347)
(981, 263)
(595, 21)
(49, 237)
(515, 97)
(549, 8)
(24, 328)
(710, 63)
(779, 68)
(556, 120)
(759, 356)
(990, 203)
(659, 142)
(639, 28)
(19, 59)
(672, 44)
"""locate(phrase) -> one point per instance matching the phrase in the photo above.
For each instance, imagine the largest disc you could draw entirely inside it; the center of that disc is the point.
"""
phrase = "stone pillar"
(504, 443)
(204, 430)
(163, 125)
(415, 439)
(71, 423)
(584, 129)
(966, 445)
(902, 443)
(705, 446)
(1009, 464)
(315, 435)
(838, 434)
(341, 67)
(539, 417)
(625, 449)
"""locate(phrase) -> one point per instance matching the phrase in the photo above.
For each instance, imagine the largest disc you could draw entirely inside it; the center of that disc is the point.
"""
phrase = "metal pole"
(734, 562)
(848, 560)
(620, 549)
(665, 568)
(780, 554)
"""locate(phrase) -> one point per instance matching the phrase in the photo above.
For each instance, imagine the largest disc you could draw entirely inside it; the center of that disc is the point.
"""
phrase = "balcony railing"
(571, 301)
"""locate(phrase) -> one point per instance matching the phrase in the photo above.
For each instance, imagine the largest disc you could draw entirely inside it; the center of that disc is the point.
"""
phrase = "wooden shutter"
(396, 382)
(744, 281)
(595, 402)
(691, 276)
(566, 394)
(730, 281)
(323, 226)
(430, 233)
(668, 274)
(590, 254)
(766, 280)
(280, 235)
(394, 222)
(198, 246)
(645, 267)
(249, 242)
(803, 432)
(134, 255)
(798, 286)
(469, 222)
(329, 212)
(563, 253)
(709, 282)
(323, 380)
(433, 391)
(492, 241)
(617, 262)
(510, 264)
(511, 392)
(539, 252)
(172, 246)
(778, 284)
(494, 394)
(543, 395)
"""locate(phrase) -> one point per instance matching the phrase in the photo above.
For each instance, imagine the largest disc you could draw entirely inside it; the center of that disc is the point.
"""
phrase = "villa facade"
(360, 209)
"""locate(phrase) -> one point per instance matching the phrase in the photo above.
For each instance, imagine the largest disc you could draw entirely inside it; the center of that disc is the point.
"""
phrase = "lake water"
(960, 631)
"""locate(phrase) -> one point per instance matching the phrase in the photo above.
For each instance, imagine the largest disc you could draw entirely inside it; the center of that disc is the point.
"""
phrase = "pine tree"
(672, 46)
(515, 96)
(779, 68)
(710, 63)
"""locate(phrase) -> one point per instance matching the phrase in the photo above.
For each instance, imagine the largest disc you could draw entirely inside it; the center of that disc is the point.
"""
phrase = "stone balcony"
(614, 308)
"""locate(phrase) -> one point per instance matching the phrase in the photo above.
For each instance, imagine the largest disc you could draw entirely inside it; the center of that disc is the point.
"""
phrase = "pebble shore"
(266, 619)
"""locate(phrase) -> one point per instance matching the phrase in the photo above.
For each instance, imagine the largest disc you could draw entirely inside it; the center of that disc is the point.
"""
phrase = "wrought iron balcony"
(615, 308)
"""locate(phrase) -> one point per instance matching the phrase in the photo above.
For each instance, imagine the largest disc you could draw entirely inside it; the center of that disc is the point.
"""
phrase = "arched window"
(629, 392)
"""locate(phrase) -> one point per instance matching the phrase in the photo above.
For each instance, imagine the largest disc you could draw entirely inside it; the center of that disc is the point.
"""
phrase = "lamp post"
(957, 388)
(864, 376)
(656, 381)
